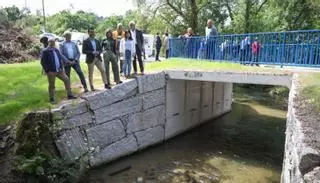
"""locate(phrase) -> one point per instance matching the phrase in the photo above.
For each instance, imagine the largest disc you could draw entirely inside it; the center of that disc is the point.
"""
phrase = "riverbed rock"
(105, 134)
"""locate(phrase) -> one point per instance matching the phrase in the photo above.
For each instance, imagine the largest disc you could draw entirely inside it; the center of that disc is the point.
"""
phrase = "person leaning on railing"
(255, 51)
(210, 30)
(188, 43)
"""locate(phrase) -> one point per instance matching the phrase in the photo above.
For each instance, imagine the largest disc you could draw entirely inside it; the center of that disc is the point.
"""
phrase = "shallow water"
(244, 146)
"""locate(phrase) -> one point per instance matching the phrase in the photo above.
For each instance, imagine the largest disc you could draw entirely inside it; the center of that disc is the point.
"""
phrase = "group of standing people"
(126, 46)
(249, 52)
(159, 45)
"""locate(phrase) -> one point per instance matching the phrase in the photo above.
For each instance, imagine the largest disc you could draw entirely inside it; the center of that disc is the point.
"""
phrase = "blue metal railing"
(293, 48)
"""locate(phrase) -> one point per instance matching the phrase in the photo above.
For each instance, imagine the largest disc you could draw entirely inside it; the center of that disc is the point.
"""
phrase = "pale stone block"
(105, 134)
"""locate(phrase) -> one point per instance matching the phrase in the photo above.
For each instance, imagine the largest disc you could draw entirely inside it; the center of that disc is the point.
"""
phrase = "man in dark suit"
(92, 48)
(158, 46)
(137, 37)
(53, 65)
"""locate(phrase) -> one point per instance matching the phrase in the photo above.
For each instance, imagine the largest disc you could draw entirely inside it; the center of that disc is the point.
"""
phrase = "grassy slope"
(311, 88)
(23, 88)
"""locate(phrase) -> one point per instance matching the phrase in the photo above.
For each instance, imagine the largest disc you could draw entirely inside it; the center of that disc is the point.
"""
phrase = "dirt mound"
(16, 46)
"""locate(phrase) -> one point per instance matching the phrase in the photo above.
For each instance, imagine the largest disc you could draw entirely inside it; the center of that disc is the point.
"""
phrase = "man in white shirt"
(245, 50)
(137, 37)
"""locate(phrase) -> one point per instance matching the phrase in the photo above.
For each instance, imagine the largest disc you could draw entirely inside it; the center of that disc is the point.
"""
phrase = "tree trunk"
(193, 17)
(247, 16)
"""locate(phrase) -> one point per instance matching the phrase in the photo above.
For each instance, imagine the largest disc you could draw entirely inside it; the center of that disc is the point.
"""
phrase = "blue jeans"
(127, 63)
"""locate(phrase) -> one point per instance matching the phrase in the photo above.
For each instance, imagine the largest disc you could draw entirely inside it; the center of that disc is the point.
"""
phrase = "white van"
(78, 37)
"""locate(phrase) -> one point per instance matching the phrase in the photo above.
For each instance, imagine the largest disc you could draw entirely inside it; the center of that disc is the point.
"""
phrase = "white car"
(78, 37)
(50, 35)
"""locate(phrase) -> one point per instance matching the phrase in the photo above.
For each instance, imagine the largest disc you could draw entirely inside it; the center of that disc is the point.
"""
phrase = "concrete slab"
(232, 77)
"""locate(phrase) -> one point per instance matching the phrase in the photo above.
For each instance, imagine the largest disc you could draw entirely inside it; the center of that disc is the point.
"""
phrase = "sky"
(99, 7)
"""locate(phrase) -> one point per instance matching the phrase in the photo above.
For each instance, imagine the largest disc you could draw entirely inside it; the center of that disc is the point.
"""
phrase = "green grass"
(23, 88)
(207, 66)
(311, 88)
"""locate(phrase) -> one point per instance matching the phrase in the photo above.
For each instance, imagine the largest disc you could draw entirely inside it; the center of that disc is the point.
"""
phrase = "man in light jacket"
(70, 50)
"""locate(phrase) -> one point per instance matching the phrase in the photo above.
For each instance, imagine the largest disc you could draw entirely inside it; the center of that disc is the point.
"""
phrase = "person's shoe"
(92, 88)
(71, 97)
(52, 101)
(86, 90)
(119, 82)
(135, 74)
(142, 73)
(107, 86)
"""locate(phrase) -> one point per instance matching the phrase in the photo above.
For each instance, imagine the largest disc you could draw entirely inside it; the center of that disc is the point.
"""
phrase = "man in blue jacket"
(70, 50)
(52, 64)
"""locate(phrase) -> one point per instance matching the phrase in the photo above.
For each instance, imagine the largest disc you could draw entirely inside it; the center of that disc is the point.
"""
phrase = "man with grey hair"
(137, 37)
(70, 50)
(52, 62)
(211, 30)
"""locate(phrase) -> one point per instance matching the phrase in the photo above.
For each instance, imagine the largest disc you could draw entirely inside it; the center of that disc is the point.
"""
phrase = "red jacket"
(255, 47)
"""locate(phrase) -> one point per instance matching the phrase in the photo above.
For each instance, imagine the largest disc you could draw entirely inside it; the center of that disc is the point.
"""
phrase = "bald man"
(211, 30)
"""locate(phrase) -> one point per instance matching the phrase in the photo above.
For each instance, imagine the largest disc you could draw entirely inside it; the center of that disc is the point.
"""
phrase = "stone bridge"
(106, 125)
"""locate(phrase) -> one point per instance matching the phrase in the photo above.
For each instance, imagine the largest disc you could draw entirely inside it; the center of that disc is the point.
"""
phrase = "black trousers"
(78, 70)
(138, 54)
(167, 54)
(157, 52)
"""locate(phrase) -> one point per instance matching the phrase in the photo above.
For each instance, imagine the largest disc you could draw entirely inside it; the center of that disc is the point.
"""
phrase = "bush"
(35, 50)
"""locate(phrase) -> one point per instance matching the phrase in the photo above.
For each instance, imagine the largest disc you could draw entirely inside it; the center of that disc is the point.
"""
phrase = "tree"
(181, 14)
(65, 20)
(13, 13)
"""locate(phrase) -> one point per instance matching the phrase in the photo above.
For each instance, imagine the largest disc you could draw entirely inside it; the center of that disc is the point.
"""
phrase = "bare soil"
(15, 45)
